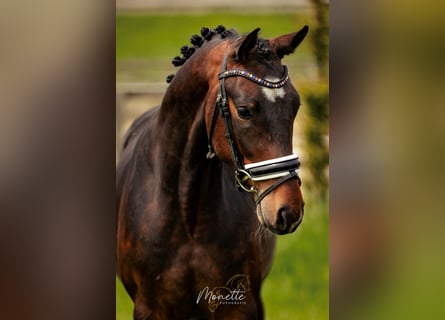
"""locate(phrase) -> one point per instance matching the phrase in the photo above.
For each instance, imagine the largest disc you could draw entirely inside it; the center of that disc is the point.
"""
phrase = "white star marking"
(273, 94)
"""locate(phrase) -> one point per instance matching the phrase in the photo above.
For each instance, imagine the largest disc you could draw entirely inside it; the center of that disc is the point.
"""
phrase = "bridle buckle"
(245, 181)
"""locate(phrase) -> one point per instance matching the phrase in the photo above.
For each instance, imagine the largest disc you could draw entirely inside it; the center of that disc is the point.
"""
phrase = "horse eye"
(244, 113)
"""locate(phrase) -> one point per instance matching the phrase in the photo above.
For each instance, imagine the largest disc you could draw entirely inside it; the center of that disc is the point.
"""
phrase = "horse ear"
(248, 44)
(286, 44)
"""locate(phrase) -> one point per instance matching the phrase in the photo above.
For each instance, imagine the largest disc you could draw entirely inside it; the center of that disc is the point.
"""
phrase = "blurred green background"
(146, 42)
(297, 286)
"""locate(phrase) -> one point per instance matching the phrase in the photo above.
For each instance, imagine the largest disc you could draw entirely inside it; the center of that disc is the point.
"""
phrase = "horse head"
(250, 126)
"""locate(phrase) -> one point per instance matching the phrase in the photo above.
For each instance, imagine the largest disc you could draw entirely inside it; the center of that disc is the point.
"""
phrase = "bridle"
(284, 168)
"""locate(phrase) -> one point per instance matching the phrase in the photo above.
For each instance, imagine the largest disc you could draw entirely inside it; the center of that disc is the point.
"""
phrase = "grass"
(297, 286)
(124, 305)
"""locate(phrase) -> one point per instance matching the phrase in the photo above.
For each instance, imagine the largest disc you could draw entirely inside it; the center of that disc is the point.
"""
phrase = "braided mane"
(197, 41)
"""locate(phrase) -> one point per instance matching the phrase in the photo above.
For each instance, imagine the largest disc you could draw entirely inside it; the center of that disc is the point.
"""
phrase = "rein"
(284, 168)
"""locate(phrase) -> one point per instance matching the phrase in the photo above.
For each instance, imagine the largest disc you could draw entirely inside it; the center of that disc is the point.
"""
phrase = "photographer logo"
(233, 293)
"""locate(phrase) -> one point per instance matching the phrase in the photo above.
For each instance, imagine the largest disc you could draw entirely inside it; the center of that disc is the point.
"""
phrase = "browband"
(250, 76)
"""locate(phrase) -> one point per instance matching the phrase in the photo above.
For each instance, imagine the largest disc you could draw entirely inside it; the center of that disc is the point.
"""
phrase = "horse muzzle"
(282, 211)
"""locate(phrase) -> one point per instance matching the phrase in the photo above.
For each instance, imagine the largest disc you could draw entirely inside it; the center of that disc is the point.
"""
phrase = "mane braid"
(197, 41)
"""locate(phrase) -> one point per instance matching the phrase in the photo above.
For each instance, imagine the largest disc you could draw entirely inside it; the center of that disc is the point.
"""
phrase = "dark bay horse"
(206, 179)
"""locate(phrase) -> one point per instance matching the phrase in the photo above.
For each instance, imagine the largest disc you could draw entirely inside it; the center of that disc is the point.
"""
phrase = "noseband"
(284, 168)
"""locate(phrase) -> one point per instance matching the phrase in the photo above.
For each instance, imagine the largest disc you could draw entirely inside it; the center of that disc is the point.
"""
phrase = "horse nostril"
(287, 220)
(283, 219)
(280, 218)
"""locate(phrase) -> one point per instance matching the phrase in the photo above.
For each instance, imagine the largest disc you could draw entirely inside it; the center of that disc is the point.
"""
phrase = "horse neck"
(193, 183)
(183, 138)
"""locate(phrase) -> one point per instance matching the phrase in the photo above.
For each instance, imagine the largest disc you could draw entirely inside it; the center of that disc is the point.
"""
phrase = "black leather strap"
(291, 175)
(222, 105)
(211, 152)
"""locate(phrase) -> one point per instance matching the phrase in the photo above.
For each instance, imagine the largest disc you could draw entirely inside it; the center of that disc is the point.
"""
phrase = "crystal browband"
(262, 82)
